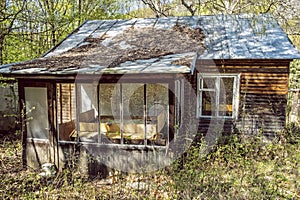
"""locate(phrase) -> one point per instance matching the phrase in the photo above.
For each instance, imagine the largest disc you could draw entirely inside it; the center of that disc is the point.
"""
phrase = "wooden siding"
(262, 97)
(262, 113)
(66, 96)
(264, 83)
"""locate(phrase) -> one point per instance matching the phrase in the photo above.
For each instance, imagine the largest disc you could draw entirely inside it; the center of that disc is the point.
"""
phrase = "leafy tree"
(199, 7)
(32, 27)
(9, 11)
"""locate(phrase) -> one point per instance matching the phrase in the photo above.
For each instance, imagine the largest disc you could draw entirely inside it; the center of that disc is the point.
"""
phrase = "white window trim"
(235, 99)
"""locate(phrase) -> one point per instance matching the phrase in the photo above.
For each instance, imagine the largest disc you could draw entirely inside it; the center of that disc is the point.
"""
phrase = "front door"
(37, 126)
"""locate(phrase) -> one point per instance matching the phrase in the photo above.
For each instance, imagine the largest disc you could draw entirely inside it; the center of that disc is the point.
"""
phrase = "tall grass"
(238, 167)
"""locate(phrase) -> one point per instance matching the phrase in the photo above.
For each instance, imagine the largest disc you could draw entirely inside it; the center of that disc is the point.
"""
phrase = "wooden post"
(22, 120)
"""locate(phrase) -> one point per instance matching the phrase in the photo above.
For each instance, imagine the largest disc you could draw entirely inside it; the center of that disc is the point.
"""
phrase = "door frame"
(48, 145)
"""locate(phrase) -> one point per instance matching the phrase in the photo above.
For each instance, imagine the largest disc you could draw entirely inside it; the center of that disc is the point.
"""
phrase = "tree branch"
(189, 7)
(269, 7)
(152, 6)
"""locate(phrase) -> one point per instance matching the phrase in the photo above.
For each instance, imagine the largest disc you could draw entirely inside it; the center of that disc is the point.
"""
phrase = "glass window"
(87, 110)
(113, 113)
(36, 112)
(134, 113)
(208, 100)
(226, 96)
(218, 95)
(157, 113)
(179, 108)
(209, 83)
(134, 107)
(110, 113)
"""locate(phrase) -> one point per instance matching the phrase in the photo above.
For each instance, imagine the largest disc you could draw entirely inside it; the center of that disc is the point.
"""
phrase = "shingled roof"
(161, 45)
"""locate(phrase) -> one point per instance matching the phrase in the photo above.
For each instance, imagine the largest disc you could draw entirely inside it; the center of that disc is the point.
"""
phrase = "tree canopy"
(28, 28)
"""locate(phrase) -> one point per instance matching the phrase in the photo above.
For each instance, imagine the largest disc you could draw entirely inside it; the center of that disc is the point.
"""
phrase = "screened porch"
(113, 113)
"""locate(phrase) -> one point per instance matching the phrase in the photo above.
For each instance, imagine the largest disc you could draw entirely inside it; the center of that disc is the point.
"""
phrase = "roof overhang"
(168, 64)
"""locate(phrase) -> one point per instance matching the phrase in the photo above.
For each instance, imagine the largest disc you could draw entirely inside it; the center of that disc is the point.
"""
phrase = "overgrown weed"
(239, 167)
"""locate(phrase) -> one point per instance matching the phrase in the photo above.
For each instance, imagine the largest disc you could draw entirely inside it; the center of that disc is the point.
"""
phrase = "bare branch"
(189, 7)
(269, 7)
(154, 8)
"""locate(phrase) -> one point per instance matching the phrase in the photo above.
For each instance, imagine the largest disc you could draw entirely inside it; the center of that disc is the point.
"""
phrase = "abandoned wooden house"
(138, 85)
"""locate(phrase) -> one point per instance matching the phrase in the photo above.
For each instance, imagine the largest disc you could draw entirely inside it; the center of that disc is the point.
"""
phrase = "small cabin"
(133, 94)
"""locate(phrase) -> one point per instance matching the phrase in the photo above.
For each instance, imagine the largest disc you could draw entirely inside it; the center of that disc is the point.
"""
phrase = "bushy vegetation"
(238, 167)
(243, 169)
(295, 74)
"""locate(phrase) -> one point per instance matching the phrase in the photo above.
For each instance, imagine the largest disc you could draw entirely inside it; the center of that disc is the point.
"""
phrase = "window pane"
(140, 118)
(66, 111)
(133, 113)
(208, 103)
(133, 100)
(226, 96)
(88, 112)
(110, 100)
(157, 111)
(36, 112)
(208, 83)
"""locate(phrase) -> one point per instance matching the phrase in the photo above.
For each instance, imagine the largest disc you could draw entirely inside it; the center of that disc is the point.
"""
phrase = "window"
(87, 112)
(218, 95)
(134, 113)
(113, 113)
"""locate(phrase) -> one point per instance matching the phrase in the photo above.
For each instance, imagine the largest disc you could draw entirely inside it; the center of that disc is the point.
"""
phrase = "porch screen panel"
(133, 98)
(87, 107)
(110, 112)
(134, 113)
(157, 113)
(36, 112)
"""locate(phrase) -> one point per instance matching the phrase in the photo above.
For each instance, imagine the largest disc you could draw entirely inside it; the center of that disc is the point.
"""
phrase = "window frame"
(217, 82)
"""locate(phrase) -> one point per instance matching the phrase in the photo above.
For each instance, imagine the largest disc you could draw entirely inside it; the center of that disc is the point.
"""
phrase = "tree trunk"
(1, 53)
(79, 12)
